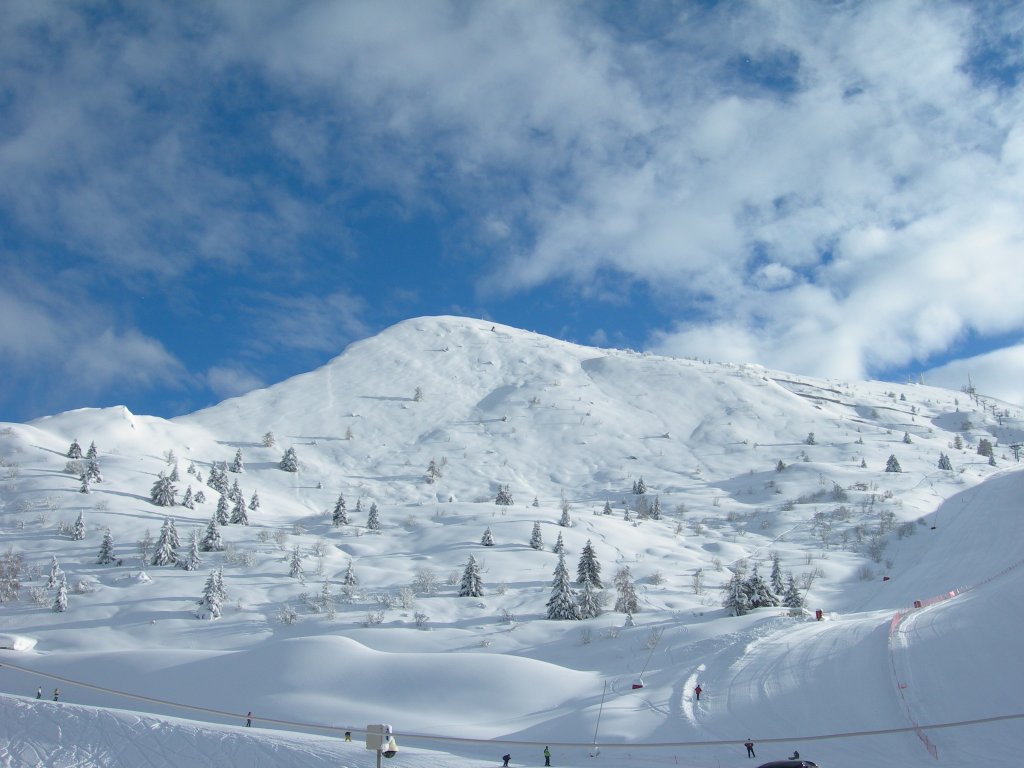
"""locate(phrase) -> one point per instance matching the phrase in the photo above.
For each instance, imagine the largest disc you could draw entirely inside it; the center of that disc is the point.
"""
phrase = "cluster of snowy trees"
(339, 516)
(744, 593)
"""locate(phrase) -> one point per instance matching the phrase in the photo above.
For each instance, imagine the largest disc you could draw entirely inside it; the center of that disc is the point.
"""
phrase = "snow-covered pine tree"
(607, 508)
(985, 447)
(60, 601)
(944, 462)
(504, 497)
(84, 487)
(340, 516)
(223, 513)
(776, 575)
(238, 514)
(165, 552)
(373, 518)
(588, 603)
(488, 539)
(235, 494)
(106, 554)
(559, 547)
(92, 471)
(589, 569)
(212, 541)
(214, 479)
(295, 564)
(536, 502)
(565, 521)
(640, 487)
(906, 438)
(325, 602)
(349, 578)
(562, 603)
(626, 600)
(237, 466)
(187, 501)
(792, 598)
(200, 497)
(958, 442)
(626, 514)
(78, 531)
(74, 450)
(191, 468)
(163, 492)
(193, 560)
(780, 466)
(254, 502)
(760, 595)
(92, 453)
(536, 542)
(472, 585)
(893, 465)
(55, 573)
(174, 474)
(214, 595)
(433, 472)
(655, 511)
(290, 461)
(737, 600)
(269, 441)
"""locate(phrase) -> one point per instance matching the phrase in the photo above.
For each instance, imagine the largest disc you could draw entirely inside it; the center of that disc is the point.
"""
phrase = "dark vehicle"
(789, 764)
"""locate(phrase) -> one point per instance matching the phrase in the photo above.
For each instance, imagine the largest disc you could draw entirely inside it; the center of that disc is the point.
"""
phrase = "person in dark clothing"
(348, 735)
(506, 758)
(39, 692)
(795, 755)
(56, 694)
(750, 748)
(697, 691)
(547, 756)
(248, 719)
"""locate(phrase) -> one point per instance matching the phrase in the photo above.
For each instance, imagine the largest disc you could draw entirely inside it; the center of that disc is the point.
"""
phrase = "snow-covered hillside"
(744, 463)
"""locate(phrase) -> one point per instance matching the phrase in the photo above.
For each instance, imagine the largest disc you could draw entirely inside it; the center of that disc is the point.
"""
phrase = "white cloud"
(998, 374)
(226, 381)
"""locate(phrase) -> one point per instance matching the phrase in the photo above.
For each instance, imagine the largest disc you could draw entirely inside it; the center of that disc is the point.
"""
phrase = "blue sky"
(201, 198)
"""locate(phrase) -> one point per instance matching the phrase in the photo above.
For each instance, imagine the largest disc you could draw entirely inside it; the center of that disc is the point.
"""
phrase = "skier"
(795, 755)
(547, 756)
(348, 735)
(697, 691)
(248, 719)
(56, 694)
(750, 748)
(39, 692)
(506, 758)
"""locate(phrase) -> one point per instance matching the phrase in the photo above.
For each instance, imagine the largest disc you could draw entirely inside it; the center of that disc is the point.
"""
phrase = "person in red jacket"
(750, 748)
(697, 691)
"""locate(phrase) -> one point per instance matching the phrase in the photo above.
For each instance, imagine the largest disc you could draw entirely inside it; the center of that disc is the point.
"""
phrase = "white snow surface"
(463, 680)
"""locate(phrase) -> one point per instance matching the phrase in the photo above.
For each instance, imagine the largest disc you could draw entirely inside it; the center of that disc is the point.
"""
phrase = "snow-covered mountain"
(745, 464)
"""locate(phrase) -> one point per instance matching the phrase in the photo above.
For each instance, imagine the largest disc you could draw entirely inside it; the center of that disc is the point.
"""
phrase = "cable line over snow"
(440, 739)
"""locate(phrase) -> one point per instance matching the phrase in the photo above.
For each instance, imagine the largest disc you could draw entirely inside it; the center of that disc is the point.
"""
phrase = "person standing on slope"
(547, 756)
(39, 692)
(697, 691)
(750, 748)
(506, 758)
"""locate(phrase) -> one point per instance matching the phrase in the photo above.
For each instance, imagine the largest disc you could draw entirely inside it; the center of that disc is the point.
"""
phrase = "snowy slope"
(478, 676)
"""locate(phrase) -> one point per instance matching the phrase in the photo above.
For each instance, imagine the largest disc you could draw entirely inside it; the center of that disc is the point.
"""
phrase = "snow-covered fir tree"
(472, 585)
(536, 542)
(269, 441)
(562, 603)
(792, 598)
(433, 472)
(607, 508)
(340, 515)
(85, 486)
(626, 600)
(487, 539)
(373, 518)
(212, 541)
(92, 453)
(906, 438)
(349, 578)
(223, 512)
(640, 487)
(235, 493)
(165, 552)
(200, 497)
(92, 471)
(589, 569)
(655, 511)
(78, 530)
(237, 465)
(588, 601)
(174, 474)
(60, 601)
(74, 450)
(193, 560)
(218, 479)
(559, 547)
(504, 497)
(565, 520)
(106, 554)
(325, 602)
(211, 604)
(760, 595)
(238, 514)
(776, 575)
(187, 501)
(944, 462)
(191, 468)
(737, 599)
(290, 461)
(163, 492)
(254, 502)
(295, 564)
(893, 465)
(55, 573)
